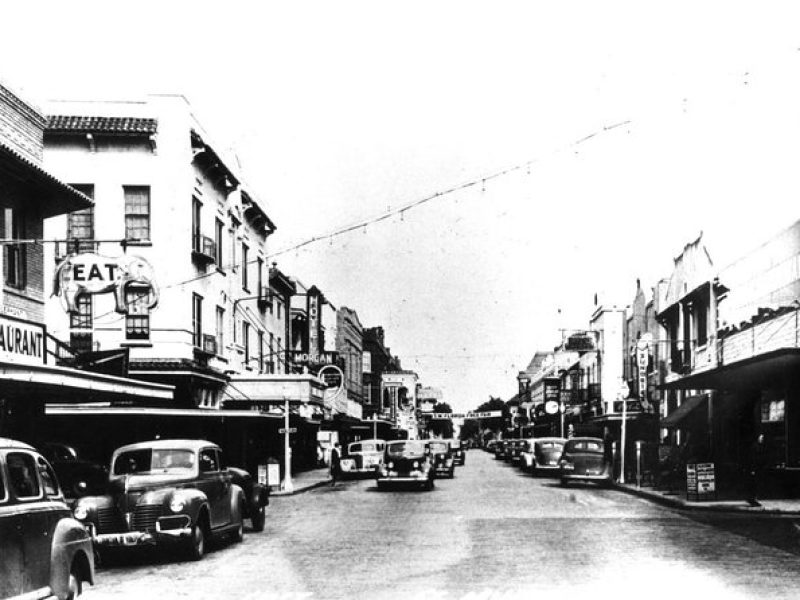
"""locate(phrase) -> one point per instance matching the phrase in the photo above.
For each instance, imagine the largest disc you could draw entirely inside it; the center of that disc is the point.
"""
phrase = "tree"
(494, 423)
(441, 427)
(470, 429)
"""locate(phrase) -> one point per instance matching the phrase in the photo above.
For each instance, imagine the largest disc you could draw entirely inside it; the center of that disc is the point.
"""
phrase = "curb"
(684, 505)
(301, 490)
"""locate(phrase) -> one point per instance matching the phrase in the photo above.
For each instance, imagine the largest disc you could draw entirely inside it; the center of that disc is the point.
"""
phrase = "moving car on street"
(44, 552)
(540, 456)
(406, 462)
(458, 450)
(442, 457)
(165, 492)
(583, 460)
(363, 457)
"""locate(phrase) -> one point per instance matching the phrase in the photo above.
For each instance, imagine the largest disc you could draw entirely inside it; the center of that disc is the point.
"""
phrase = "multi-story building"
(376, 397)
(31, 376)
(182, 240)
(350, 348)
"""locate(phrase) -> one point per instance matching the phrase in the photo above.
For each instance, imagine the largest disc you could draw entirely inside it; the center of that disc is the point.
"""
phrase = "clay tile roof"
(115, 125)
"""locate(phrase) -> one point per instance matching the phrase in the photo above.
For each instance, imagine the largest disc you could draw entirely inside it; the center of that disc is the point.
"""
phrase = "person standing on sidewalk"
(755, 468)
(608, 451)
(336, 463)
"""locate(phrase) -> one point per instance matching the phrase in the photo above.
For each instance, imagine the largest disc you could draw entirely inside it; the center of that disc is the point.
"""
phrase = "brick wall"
(21, 126)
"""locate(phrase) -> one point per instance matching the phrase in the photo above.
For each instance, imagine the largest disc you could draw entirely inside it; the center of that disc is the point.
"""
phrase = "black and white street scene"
(445, 300)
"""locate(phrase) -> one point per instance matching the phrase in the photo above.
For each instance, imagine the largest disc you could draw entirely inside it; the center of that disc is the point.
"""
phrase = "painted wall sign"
(21, 342)
(91, 273)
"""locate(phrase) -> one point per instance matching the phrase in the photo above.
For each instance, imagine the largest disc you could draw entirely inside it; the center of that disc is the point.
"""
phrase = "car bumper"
(567, 476)
(403, 478)
(130, 539)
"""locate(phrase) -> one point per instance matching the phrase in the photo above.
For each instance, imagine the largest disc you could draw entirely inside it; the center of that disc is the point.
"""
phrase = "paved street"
(492, 532)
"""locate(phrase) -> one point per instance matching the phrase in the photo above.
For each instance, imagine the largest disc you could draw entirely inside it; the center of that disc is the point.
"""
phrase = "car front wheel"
(74, 587)
(196, 545)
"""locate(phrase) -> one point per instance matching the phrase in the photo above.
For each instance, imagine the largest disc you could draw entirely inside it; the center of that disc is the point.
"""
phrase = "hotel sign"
(21, 342)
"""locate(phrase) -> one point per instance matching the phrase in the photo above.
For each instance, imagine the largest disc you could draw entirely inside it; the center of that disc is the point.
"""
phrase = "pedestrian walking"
(336, 463)
(608, 450)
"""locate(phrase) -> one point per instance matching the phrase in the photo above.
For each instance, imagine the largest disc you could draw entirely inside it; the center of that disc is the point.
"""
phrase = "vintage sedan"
(44, 552)
(583, 460)
(363, 457)
(165, 492)
(77, 476)
(541, 455)
(442, 457)
(515, 456)
(406, 462)
(459, 455)
(500, 449)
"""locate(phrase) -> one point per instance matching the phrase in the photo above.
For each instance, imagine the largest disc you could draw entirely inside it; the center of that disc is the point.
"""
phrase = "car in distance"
(500, 449)
(77, 476)
(44, 552)
(406, 462)
(583, 459)
(459, 455)
(442, 457)
(363, 457)
(541, 455)
(165, 492)
(256, 497)
(516, 451)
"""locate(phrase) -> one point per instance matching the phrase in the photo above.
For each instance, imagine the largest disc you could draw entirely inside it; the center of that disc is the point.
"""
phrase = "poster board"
(701, 484)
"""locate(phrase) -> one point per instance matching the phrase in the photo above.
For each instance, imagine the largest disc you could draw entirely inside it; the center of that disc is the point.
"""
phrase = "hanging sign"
(91, 273)
(21, 342)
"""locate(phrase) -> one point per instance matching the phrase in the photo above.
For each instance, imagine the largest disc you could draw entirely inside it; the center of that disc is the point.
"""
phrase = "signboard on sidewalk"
(700, 482)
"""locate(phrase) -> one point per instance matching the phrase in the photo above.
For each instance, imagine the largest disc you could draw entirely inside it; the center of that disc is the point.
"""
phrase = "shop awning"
(757, 372)
(58, 409)
(687, 407)
(76, 385)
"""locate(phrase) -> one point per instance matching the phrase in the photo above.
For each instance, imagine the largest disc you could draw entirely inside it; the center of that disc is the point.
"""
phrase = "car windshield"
(586, 446)
(405, 448)
(438, 447)
(148, 460)
(455, 444)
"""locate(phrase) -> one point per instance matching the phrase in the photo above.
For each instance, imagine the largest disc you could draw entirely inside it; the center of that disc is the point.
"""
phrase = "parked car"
(500, 449)
(442, 457)
(256, 498)
(541, 455)
(44, 552)
(363, 457)
(165, 492)
(515, 456)
(77, 476)
(583, 460)
(459, 455)
(406, 462)
(490, 445)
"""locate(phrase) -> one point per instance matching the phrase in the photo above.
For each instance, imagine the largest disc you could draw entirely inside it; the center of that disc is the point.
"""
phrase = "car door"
(12, 562)
(212, 483)
(26, 486)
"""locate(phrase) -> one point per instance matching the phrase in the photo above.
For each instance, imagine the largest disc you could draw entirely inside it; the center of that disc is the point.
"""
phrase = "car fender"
(259, 496)
(238, 501)
(71, 546)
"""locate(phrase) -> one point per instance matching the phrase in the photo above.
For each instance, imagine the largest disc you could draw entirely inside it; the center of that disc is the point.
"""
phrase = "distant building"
(380, 360)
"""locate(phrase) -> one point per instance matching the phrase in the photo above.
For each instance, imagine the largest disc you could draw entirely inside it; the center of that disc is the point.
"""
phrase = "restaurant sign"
(21, 342)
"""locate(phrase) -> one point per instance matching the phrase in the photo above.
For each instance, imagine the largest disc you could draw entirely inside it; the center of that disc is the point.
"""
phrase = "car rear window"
(586, 446)
(550, 446)
(401, 448)
(438, 447)
(146, 460)
(48, 478)
(22, 475)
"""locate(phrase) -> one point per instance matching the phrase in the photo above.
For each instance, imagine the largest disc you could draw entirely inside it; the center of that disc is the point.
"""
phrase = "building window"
(260, 276)
(137, 213)
(80, 225)
(197, 320)
(271, 361)
(137, 319)
(220, 328)
(246, 343)
(245, 250)
(15, 254)
(219, 233)
(197, 241)
(81, 324)
(702, 324)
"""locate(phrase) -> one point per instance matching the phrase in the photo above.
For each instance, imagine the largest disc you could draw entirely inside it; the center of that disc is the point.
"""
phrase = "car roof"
(168, 444)
(16, 445)
(554, 439)
(585, 439)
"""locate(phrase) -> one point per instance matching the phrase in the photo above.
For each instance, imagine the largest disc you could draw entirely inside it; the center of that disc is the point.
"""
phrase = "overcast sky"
(338, 111)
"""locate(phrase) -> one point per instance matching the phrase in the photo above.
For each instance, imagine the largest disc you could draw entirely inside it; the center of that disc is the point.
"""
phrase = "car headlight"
(390, 465)
(81, 512)
(416, 464)
(177, 504)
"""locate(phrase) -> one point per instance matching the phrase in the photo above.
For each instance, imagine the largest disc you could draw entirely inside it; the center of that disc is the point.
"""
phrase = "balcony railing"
(204, 250)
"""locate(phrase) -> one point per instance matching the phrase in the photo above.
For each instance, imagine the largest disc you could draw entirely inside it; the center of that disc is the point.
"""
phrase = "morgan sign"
(91, 273)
